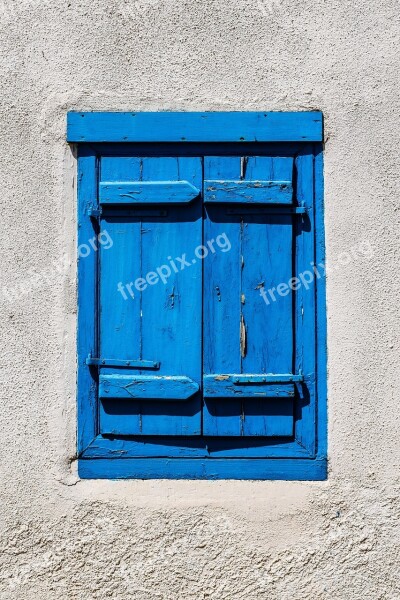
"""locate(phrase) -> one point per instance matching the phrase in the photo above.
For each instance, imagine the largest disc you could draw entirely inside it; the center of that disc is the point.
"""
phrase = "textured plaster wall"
(67, 539)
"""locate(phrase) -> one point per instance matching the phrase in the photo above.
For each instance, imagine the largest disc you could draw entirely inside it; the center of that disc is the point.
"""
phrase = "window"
(201, 299)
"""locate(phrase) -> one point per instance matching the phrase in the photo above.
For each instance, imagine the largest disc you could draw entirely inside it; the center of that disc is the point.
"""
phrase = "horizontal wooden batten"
(194, 127)
(195, 447)
(147, 192)
(147, 387)
(249, 386)
(300, 469)
(252, 192)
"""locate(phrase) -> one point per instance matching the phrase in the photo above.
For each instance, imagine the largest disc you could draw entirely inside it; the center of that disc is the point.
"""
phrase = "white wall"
(65, 539)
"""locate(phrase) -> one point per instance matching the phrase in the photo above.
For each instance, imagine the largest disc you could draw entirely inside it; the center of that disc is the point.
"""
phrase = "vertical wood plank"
(221, 304)
(120, 264)
(87, 302)
(171, 311)
(268, 254)
(305, 302)
(321, 308)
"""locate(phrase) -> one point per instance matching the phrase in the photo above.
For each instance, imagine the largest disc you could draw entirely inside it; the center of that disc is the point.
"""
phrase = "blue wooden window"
(201, 321)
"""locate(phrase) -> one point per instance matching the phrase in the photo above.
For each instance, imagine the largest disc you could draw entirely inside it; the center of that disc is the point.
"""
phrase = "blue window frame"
(201, 295)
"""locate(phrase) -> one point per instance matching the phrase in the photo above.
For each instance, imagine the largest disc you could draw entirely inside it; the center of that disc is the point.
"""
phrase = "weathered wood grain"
(144, 192)
(147, 388)
(162, 322)
(242, 334)
(249, 192)
(194, 127)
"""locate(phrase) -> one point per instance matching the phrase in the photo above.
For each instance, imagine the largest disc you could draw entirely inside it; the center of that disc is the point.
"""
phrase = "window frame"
(99, 134)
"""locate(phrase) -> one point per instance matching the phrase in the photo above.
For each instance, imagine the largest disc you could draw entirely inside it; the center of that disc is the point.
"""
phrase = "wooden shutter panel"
(249, 378)
(150, 345)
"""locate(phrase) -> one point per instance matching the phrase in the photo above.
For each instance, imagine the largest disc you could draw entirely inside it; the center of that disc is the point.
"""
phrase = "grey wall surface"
(62, 538)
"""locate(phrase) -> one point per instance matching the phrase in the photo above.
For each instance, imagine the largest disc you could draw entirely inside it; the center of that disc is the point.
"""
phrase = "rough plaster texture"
(63, 538)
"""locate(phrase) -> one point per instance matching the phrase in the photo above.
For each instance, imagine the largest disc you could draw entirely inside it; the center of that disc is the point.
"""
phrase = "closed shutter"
(190, 344)
(201, 331)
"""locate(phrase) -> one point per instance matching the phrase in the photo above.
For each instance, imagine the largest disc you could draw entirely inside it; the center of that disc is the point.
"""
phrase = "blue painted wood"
(194, 127)
(142, 192)
(253, 378)
(200, 447)
(120, 322)
(162, 321)
(242, 334)
(321, 431)
(215, 387)
(181, 468)
(251, 192)
(148, 388)
(304, 303)
(310, 424)
(87, 303)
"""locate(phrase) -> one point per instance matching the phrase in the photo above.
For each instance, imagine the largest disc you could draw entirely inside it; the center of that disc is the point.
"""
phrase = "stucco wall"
(64, 538)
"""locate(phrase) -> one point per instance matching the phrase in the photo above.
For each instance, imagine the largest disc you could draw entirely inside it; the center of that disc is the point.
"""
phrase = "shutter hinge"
(128, 364)
(93, 211)
(270, 378)
(96, 213)
(300, 210)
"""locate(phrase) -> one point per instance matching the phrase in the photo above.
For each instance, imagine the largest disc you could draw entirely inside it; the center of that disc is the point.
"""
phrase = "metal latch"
(127, 364)
(270, 378)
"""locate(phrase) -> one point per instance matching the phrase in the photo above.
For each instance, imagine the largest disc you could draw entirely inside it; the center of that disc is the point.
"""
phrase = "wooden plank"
(227, 389)
(193, 468)
(119, 327)
(221, 301)
(249, 192)
(87, 303)
(267, 247)
(172, 308)
(194, 127)
(260, 378)
(147, 388)
(321, 312)
(198, 447)
(142, 192)
(304, 305)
